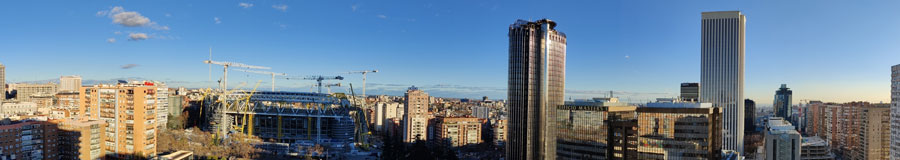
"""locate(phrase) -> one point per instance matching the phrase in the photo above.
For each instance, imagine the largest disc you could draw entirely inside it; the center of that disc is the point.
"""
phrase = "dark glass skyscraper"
(722, 72)
(782, 104)
(749, 116)
(537, 69)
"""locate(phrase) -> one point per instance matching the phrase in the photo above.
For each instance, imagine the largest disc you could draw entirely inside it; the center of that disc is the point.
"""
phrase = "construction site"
(288, 123)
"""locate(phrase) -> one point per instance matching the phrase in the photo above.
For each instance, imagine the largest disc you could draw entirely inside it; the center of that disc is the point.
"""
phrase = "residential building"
(499, 128)
(67, 101)
(537, 57)
(69, 83)
(162, 104)
(782, 104)
(679, 130)
(782, 140)
(25, 92)
(481, 112)
(874, 133)
(415, 122)
(750, 116)
(815, 148)
(722, 71)
(130, 112)
(456, 131)
(690, 92)
(895, 111)
(18, 108)
(583, 129)
(81, 139)
(28, 140)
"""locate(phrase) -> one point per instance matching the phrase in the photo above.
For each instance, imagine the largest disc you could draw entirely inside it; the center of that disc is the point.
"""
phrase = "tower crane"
(273, 74)
(364, 73)
(231, 64)
(318, 79)
(328, 86)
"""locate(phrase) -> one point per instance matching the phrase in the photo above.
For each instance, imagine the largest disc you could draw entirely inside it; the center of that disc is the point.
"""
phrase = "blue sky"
(824, 50)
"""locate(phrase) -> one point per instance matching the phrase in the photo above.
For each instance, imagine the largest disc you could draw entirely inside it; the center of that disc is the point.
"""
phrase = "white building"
(783, 142)
(69, 83)
(481, 112)
(722, 72)
(15, 108)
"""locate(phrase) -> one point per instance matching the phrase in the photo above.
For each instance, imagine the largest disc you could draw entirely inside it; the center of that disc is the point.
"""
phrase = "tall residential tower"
(537, 69)
(722, 71)
(415, 122)
(895, 112)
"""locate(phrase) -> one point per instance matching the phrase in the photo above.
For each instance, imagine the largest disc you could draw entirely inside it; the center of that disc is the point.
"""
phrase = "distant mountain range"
(86, 81)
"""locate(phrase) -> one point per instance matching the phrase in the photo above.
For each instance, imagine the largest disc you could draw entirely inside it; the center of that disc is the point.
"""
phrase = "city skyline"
(805, 46)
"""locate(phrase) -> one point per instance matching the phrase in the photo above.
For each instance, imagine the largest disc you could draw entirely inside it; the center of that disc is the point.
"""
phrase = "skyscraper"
(537, 62)
(895, 112)
(415, 122)
(782, 104)
(69, 83)
(722, 71)
(750, 116)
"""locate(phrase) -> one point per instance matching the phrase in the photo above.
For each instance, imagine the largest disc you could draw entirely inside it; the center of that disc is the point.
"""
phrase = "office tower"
(28, 140)
(722, 71)
(456, 131)
(537, 64)
(415, 122)
(815, 148)
(874, 133)
(782, 104)
(895, 112)
(25, 92)
(677, 130)
(782, 140)
(2, 82)
(690, 92)
(69, 83)
(583, 129)
(750, 116)
(129, 110)
(81, 139)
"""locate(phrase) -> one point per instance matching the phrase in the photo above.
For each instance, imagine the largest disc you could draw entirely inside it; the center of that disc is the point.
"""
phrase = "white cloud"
(280, 7)
(137, 36)
(117, 32)
(245, 5)
(111, 40)
(217, 20)
(130, 18)
(381, 16)
(354, 7)
(168, 15)
(627, 57)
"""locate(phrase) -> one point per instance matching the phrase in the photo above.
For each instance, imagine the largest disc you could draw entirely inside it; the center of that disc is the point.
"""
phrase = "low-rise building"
(456, 131)
(679, 130)
(815, 148)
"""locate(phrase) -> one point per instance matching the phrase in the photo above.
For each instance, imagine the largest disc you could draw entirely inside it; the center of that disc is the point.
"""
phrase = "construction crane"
(318, 79)
(328, 86)
(364, 78)
(231, 64)
(273, 74)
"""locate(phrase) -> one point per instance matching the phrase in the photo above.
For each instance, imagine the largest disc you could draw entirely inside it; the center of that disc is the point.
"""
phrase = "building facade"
(690, 92)
(25, 92)
(582, 130)
(874, 133)
(415, 122)
(537, 60)
(81, 139)
(783, 142)
(895, 112)
(815, 148)
(722, 71)
(679, 131)
(69, 83)
(456, 131)
(28, 140)
(782, 102)
(2, 82)
(129, 110)
(750, 116)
